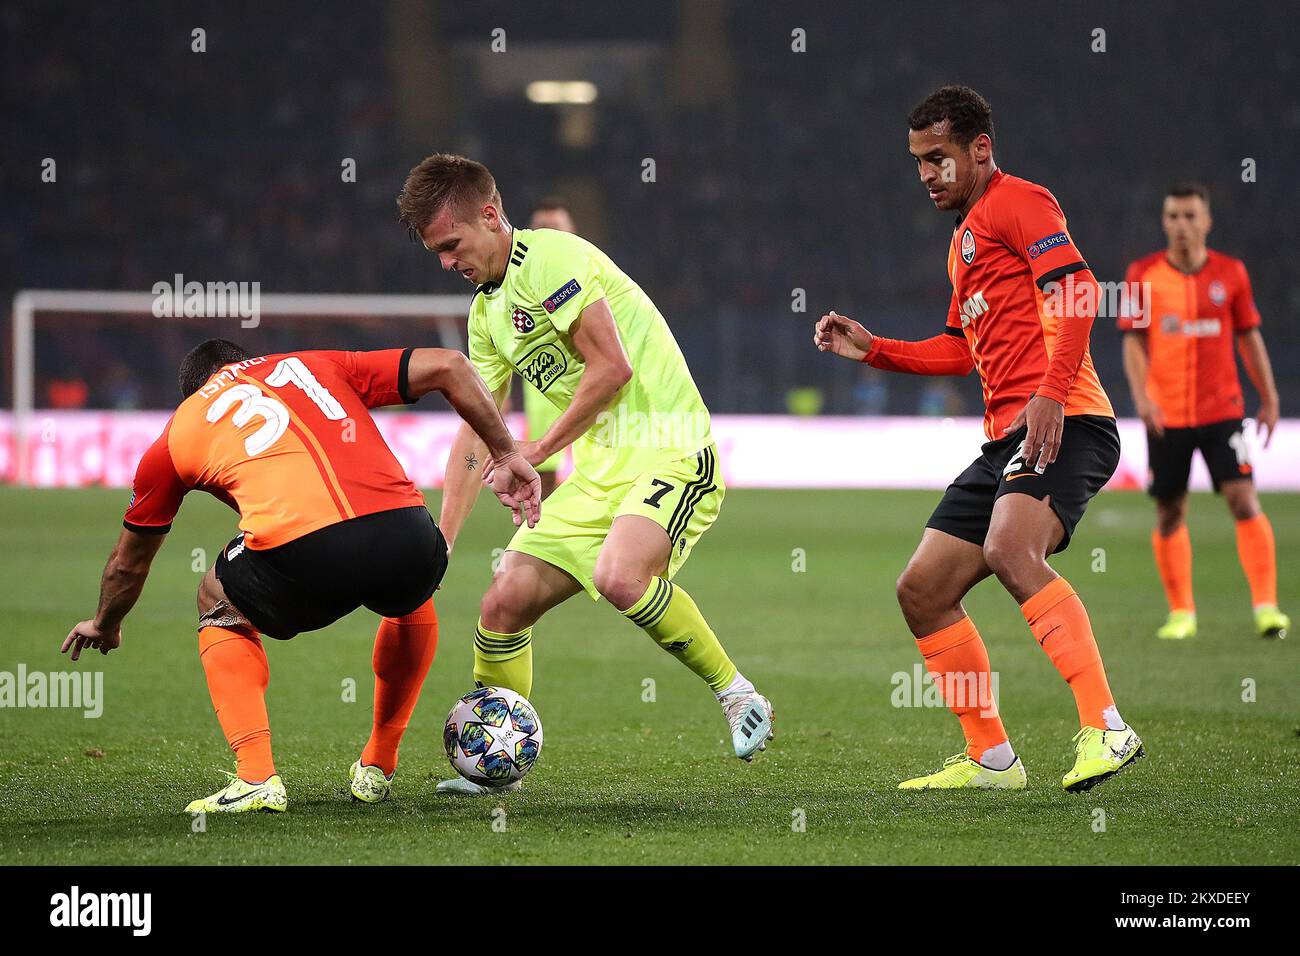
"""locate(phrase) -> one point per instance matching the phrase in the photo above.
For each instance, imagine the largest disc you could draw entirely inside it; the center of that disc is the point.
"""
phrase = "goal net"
(93, 374)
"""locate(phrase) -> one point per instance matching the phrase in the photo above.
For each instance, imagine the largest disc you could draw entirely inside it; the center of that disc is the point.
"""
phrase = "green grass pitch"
(628, 781)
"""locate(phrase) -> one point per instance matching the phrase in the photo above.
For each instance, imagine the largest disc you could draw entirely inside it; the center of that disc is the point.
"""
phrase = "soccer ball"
(492, 736)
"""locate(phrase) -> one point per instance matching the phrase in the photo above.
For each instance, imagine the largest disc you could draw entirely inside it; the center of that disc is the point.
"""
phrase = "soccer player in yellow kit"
(553, 308)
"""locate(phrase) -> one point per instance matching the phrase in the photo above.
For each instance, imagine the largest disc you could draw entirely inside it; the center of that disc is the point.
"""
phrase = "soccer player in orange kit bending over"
(329, 522)
(1052, 445)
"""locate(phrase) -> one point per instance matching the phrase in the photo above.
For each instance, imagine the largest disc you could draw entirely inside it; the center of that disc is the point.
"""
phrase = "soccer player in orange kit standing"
(1052, 445)
(1178, 356)
(328, 520)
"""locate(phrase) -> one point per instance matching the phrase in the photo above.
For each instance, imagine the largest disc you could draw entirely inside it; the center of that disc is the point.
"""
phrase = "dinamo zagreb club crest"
(523, 321)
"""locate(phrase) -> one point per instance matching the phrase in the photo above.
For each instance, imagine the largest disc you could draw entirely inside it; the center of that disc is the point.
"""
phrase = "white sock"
(1112, 718)
(998, 758)
(738, 685)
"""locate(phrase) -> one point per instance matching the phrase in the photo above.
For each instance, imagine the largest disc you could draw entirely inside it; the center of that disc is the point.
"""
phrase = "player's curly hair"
(444, 179)
(203, 360)
(967, 111)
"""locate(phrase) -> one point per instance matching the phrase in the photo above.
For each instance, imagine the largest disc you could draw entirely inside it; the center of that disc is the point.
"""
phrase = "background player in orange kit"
(1052, 444)
(1178, 356)
(329, 522)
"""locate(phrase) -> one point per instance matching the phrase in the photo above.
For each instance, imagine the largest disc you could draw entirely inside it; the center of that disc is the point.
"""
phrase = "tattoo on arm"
(471, 462)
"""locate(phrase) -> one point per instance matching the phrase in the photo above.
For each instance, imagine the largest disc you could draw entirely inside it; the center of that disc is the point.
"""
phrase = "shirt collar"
(996, 177)
(487, 288)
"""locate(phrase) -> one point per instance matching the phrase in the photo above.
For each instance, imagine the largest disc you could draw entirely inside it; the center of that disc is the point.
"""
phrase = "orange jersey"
(1003, 253)
(287, 440)
(1190, 322)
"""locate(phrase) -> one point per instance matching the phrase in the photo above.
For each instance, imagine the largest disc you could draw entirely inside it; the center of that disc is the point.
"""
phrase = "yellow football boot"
(369, 785)
(1180, 626)
(960, 772)
(1099, 755)
(240, 796)
(1270, 622)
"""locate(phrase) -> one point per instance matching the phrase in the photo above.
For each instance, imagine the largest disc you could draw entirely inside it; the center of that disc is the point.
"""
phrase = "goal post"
(446, 313)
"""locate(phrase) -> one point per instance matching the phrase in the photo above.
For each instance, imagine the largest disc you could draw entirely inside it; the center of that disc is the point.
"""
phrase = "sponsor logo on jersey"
(973, 308)
(523, 321)
(542, 366)
(1193, 328)
(561, 295)
(1036, 249)
(1218, 294)
(968, 247)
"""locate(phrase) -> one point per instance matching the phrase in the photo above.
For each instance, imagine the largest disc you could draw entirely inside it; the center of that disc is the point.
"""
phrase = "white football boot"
(468, 788)
(749, 714)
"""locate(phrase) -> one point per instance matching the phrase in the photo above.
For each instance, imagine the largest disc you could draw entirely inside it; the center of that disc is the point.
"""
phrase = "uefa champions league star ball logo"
(492, 736)
(967, 247)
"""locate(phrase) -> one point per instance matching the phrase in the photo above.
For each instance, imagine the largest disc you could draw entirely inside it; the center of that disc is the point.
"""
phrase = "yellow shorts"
(683, 497)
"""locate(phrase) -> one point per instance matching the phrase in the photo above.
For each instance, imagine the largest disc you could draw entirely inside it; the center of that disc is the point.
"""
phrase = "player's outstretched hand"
(1044, 421)
(841, 335)
(86, 634)
(517, 485)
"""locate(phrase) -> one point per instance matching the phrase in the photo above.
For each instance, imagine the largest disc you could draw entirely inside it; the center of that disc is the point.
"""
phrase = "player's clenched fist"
(843, 336)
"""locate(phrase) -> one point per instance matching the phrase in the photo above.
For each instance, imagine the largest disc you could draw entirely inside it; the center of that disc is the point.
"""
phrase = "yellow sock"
(504, 660)
(668, 615)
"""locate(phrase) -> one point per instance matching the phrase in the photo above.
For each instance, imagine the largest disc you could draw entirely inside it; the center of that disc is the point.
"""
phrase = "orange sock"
(1174, 561)
(235, 664)
(959, 662)
(404, 648)
(1258, 556)
(1060, 624)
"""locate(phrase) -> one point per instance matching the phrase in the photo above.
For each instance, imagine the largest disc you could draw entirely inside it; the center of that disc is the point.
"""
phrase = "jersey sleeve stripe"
(953, 330)
(404, 378)
(1061, 272)
(147, 528)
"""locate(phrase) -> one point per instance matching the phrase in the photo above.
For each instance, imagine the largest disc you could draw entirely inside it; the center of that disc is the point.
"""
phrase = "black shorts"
(1169, 456)
(1088, 457)
(390, 562)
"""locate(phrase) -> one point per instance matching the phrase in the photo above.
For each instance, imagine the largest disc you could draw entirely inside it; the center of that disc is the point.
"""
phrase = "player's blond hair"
(441, 180)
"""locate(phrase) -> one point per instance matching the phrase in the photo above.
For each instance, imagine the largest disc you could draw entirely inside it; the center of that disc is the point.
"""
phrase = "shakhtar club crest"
(967, 247)
(523, 321)
(1218, 294)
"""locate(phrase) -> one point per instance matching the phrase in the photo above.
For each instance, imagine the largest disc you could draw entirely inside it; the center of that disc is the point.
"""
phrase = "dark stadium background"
(775, 170)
